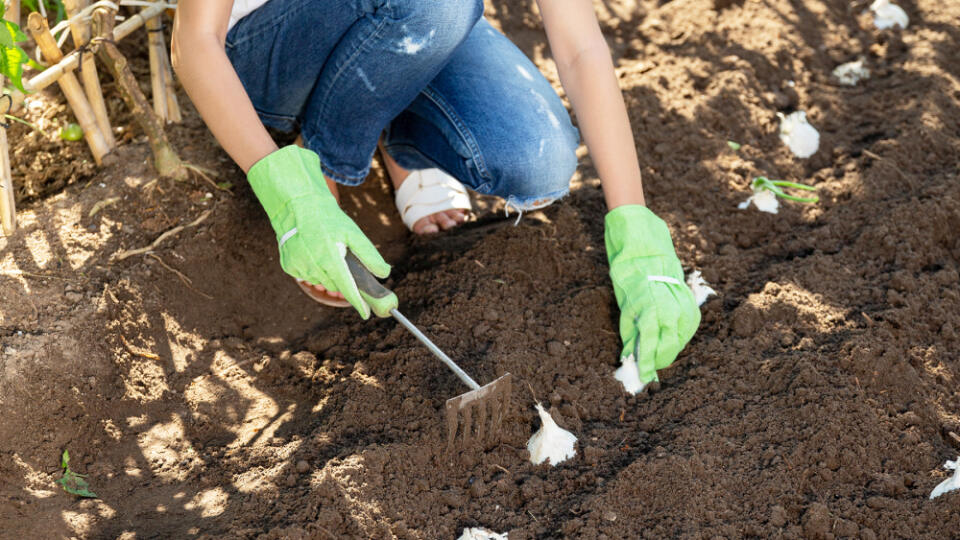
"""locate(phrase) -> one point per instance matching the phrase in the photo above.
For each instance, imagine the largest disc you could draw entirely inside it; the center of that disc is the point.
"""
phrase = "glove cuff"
(284, 175)
(633, 230)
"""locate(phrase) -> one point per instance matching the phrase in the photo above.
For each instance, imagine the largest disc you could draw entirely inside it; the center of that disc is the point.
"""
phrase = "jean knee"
(531, 176)
(433, 26)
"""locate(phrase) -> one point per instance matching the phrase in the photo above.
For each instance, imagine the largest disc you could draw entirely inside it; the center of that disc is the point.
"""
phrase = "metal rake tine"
(467, 416)
(452, 424)
(481, 422)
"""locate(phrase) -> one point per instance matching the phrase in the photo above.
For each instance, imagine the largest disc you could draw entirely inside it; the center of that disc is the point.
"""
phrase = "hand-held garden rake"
(476, 416)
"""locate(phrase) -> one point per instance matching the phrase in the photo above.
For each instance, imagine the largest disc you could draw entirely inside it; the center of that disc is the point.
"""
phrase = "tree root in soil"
(121, 255)
(165, 158)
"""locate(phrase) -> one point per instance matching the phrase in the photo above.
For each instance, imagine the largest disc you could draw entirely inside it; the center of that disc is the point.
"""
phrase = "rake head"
(474, 418)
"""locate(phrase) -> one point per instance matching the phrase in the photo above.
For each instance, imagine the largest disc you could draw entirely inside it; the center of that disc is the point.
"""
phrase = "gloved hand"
(658, 313)
(313, 233)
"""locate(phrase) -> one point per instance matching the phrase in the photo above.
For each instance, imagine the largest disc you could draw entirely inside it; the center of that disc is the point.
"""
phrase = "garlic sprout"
(766, 191)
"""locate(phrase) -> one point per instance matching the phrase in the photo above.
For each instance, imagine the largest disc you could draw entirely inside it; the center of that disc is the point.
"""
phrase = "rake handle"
(368, 284)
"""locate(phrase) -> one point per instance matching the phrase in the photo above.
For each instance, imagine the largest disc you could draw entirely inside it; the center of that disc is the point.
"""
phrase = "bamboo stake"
(158, 85)
(80, 30)
(40, 31)
(13, 12)
(165, 158)
(173, 105)
(70, 61)
(8, 209)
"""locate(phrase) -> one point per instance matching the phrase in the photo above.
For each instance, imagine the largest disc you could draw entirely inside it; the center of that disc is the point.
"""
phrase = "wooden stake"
(80, 30)
(173, 106)
(40, 31)
(8, 210)
(157, 73)
(13, 12)
(165, 158)
(70, 62)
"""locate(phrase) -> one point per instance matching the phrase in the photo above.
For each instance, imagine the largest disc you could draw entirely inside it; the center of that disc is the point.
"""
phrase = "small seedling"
(72, 482)
(734, 145)
(774, 186)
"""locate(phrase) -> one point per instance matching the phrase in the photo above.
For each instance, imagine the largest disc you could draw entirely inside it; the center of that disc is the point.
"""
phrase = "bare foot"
(433, 223)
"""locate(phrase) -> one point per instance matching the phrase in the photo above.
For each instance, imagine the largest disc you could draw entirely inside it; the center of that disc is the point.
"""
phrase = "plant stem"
(22, 121)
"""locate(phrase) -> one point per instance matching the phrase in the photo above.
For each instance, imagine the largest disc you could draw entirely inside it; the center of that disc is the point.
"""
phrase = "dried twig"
(21, 273)
(205, 173)
(137, 352)
(532, 393)
(186, 281)
(130, 253)
(100, 205)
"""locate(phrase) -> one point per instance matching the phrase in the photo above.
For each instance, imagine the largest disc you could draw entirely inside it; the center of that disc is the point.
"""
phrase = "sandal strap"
(427, 192)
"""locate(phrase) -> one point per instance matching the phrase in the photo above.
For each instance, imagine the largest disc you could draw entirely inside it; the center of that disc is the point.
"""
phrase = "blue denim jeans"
(441, 85)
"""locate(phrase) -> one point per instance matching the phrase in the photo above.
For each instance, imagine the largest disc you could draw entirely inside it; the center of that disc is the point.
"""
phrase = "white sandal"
(428, 191)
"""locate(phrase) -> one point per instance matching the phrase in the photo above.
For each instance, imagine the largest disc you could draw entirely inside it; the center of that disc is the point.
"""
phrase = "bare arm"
(587, 74)
(201, 63)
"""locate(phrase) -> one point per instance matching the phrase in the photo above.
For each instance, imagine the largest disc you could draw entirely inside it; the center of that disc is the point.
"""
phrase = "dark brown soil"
(819, 398)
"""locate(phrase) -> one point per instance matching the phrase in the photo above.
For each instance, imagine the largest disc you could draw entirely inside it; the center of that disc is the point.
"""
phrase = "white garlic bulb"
(888, 15)
(851, 73)
(479, 533)
(764, 199)
(802, 138)
(629, 375)
(951, 483)
(550, 442)
(701, 290)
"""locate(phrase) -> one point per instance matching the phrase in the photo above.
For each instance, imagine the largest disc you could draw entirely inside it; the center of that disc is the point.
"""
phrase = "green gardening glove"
(658, 313)
(312, 231)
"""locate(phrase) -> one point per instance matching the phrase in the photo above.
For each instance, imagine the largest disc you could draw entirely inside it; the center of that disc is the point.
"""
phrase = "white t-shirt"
(242, 8)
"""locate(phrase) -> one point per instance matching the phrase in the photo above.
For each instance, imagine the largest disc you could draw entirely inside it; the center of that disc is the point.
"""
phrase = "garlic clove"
(851, 73)
(701, 290)
(765, 201)
(802, 138)
(629, 375)
(950, 484)
(888, 15)
(479, 533)
(550, 442)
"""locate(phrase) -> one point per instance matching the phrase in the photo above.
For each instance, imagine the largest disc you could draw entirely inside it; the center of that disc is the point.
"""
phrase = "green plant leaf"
(10, 34)
(734, 145)
(74, 484)
(71, 482)
(11, 65)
